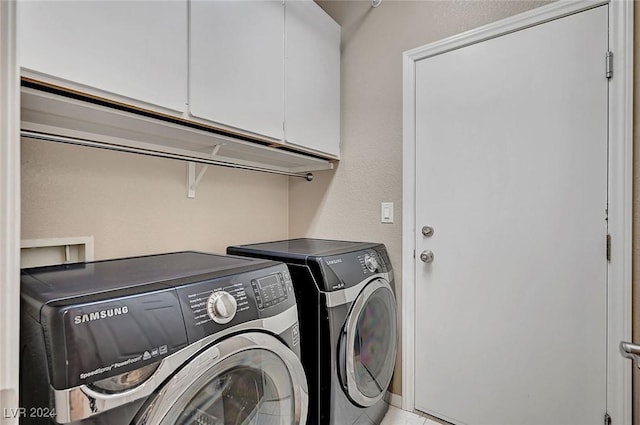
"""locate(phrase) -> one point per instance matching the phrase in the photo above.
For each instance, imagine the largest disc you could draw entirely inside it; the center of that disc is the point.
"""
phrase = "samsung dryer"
(348, 325)
(179, 338)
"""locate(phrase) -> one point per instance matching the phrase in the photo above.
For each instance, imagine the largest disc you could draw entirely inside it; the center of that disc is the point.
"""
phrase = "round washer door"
(369, 344)
(250, 378)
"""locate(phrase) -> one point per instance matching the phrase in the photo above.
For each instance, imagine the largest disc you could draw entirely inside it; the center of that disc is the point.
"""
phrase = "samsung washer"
(180, 338)
(348, 325)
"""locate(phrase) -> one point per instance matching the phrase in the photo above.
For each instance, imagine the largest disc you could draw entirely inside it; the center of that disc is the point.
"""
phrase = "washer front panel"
(248, 378)
(81, 402)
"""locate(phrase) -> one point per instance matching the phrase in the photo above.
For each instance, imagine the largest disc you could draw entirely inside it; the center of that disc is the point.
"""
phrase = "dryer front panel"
(369, 344)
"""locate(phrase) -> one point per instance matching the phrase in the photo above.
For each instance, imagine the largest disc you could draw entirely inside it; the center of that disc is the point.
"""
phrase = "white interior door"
(511, 172)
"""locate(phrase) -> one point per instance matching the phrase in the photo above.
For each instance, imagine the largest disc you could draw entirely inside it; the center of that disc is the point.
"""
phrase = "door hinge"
(608, 247)
(607, 419)
(609, 65)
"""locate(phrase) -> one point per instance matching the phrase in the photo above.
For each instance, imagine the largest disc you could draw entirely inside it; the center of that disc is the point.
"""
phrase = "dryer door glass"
(249, 388)
(371, 343)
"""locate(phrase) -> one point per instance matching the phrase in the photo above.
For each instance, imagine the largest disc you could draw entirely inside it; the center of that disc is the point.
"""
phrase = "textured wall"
(345, 203)
(137, 205)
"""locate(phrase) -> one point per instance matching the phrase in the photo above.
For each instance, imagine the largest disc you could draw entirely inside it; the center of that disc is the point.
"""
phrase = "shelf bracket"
(192, 180)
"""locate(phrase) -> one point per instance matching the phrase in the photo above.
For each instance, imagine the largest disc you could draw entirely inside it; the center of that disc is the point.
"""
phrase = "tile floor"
(397, 416)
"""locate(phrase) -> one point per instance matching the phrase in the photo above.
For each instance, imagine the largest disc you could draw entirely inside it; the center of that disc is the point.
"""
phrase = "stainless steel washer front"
(250, 378)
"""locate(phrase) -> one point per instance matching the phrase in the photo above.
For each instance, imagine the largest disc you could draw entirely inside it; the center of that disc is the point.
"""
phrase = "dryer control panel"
(343, 271)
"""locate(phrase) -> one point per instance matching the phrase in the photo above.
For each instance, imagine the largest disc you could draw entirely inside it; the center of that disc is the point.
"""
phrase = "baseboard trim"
(395, 400)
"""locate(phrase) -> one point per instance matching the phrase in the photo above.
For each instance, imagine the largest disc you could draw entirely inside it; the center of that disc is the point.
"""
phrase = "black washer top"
(137, 274)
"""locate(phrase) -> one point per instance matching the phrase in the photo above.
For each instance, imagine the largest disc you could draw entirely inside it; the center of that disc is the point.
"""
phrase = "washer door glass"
(253, 387)
(247, 379)
(371, 343)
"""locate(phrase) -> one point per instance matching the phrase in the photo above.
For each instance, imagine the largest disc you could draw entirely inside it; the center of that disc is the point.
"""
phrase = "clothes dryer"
(348, 325)
(179, 338)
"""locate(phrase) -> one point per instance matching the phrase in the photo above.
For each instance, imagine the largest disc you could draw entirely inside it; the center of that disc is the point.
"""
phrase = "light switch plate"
(386, 212)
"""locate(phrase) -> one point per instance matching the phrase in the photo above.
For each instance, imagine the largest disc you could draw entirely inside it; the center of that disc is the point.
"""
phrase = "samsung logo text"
(99, 315)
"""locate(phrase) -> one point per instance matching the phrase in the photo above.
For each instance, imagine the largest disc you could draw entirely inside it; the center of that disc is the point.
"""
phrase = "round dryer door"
(249, 379)
(369, 344)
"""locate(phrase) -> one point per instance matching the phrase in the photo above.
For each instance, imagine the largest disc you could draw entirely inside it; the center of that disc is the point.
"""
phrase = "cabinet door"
(134, 49)
(312, 78)
(237, 64)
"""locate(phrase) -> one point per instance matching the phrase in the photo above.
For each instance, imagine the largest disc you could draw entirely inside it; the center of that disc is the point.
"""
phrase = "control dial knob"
(222, 307)
(371, 263)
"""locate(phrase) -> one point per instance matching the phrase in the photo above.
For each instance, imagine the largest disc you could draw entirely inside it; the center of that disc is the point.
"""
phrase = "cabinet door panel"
(135, 49)
(236, 66)
(312, 78)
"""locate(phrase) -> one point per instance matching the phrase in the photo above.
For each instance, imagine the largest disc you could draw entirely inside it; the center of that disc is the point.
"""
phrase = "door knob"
(426, 256)
(427, 231)
(631, 351)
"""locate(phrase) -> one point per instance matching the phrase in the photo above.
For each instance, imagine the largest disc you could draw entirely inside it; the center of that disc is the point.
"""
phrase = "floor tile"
(397, 416)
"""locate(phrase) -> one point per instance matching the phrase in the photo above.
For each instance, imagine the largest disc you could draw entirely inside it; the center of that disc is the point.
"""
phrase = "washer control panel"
(222, 307)
(271, 290)
(212, 305)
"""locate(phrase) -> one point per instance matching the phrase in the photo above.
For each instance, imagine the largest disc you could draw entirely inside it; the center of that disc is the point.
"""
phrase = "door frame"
(9, 212)
(619, 300)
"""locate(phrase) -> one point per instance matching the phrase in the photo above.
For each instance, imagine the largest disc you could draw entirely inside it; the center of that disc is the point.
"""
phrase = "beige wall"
(135, 205)
(345, 203)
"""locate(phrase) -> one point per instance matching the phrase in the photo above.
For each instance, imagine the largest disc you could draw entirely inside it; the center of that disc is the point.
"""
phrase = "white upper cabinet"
(237, 65)
(260, 70)
(312, 78)
(134, 49)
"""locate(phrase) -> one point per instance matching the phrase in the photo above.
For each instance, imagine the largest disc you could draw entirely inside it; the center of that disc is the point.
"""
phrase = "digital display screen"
(270, 288)
(268, 282)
